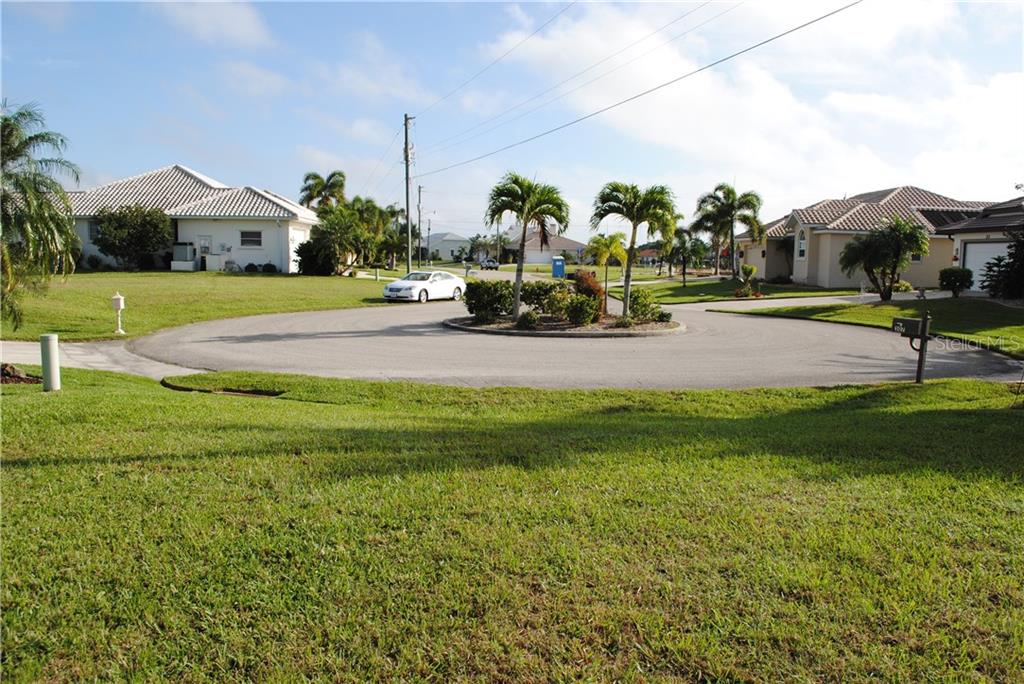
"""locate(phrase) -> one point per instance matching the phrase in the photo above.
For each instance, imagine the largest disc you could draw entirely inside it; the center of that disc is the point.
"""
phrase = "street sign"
(907, 327)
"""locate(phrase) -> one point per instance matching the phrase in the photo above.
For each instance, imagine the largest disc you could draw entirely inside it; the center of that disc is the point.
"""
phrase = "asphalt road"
(407, 342)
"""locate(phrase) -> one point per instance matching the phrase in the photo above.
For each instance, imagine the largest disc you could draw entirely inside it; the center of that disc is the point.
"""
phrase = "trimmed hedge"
(956, 279)
(486, 300)
(583, 310)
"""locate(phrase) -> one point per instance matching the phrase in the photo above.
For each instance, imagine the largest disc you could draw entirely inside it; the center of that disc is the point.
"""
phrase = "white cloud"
(233, 23)
(860, 101)
(367, 130)
(252, 80)
(376, 74)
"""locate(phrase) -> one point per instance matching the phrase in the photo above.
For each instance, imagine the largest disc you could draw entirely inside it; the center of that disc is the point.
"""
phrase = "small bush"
(535, 293)
(582, 310)
(663, 316)
(94, 262)
(528, 320)
(642, 305)
(269, 268)
(623, 322)
(486, 300)
(252, 268)
(902, 286)
(587, 284)
(557, 303)
(748, 271)
(956, 279)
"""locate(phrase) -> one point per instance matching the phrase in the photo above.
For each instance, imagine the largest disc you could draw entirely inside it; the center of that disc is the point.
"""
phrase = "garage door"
(977, 254)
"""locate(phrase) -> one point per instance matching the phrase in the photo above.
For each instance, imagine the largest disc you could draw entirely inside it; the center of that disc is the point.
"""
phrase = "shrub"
(623, 322)
(130, 232)
(252, 268)
(311, 259)
(557, 303)
(488, 299)
(956, 279)
(1004, 275)
(582, 310)
(146, 262)
(902, 286)
(269, 268)
(642, 305)
(748, 271)
(663, 316)
(528, 320)
(94, 262)
(588, 285)
(535, 293)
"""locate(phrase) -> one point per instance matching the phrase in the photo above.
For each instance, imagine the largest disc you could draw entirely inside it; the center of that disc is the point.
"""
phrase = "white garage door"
(977, 254)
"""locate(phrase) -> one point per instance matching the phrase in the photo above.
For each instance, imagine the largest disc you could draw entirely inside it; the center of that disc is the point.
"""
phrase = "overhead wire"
(644, 93)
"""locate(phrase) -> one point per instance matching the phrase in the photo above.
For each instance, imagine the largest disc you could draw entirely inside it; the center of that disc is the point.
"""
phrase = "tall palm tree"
(534, 205)
(723, 208)
(603, 248)
(329, 191)
(688, 249)
(39, 236)
(653, 206)
(666, 242)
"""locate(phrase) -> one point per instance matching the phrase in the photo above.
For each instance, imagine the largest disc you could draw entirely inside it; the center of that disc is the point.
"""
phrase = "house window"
(916, 258)
(252, 238)
(801, 245)
(94, 231)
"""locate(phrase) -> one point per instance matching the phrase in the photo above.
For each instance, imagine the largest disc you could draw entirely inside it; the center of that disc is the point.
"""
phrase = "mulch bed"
(548, 324)
(12, 375)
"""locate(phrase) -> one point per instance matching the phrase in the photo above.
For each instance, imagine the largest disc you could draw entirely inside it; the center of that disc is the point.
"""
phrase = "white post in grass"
(117, 302)
(51, 362)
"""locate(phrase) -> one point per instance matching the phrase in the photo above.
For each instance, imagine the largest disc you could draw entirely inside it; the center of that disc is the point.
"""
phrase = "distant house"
(557, 244)
(978, 240)
(807, 242)
(648, 256)
(213, 224)
(448, 246)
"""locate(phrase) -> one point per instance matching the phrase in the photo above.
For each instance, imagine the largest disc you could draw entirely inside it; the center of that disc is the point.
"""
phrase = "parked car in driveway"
(423, 286)
(489, 265)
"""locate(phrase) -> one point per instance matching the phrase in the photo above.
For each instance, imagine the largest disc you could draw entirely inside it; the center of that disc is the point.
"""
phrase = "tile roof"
(772, 229)
(1004, 216)
(247, 202)
(927, 208)
(184, 193)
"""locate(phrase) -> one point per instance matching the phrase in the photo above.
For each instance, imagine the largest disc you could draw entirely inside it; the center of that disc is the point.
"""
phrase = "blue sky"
(887, 93)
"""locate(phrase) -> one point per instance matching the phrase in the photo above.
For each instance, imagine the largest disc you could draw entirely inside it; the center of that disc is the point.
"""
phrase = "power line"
(563, 82)
(495, 61)
(596, 78)
(645, 92)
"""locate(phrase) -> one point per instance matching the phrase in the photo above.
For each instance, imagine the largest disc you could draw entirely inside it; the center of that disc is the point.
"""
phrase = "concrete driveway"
(406, 342)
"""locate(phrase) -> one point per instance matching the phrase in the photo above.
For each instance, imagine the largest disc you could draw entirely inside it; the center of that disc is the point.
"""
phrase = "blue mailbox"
(557, 267)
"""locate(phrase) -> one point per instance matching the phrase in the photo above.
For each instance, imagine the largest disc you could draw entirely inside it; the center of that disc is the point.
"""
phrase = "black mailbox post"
(916, 329)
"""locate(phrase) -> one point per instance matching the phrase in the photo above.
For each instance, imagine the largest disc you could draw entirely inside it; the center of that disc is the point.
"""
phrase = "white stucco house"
(806, 243)
(215, 226)
(446, 245)
(535, 254)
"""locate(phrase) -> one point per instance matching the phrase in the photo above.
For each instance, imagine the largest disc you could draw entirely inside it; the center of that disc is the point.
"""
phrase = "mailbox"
(907, 327)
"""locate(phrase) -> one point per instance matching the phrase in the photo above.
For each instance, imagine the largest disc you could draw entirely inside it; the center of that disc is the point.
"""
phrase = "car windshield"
(417, 276)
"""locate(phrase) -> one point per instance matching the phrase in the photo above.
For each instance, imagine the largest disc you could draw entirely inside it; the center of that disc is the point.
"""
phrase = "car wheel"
(457, 294)
(423, 296)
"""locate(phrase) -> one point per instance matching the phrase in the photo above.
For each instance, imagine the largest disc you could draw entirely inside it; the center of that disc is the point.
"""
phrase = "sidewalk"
(109, 356)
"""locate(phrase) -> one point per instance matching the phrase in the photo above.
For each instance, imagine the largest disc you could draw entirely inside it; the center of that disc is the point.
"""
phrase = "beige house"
(216, 227)
(813, 237)
(535, 254)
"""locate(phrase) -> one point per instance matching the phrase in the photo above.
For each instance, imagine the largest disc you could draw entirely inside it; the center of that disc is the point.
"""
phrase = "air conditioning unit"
(184, 251)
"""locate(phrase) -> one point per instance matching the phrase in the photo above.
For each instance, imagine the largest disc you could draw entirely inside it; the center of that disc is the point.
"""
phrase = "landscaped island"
(367, 531)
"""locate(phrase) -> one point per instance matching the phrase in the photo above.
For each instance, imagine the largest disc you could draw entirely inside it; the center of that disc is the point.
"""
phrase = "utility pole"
(429, 257)
(419, 224)
(408, 215)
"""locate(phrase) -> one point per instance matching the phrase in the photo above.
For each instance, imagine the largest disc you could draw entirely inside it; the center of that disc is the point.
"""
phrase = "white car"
(426, 285)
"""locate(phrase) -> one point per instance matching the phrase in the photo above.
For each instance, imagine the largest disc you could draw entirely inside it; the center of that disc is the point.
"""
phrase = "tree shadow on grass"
(871, 432)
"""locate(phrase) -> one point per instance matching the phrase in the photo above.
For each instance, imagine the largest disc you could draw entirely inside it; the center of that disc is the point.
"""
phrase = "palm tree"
(322, 191)
(722, 208)
(653, 206)
(534, 205)
(666, 245)
(884, 252)
(688, 249)
(39, 236)
(603, 248)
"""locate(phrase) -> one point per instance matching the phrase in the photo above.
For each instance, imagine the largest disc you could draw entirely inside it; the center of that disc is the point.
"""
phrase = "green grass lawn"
(979, 321)
(79, 308)
(714, 290)
(354, 531)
